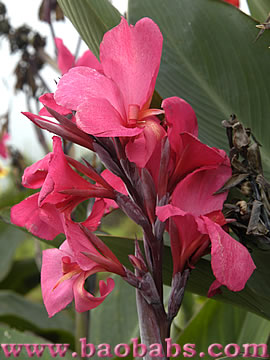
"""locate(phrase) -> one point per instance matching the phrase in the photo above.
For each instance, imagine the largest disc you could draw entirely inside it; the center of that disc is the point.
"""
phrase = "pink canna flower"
(115, 103)
(62, 189)
(65, 270)
(66, 60)
(3, 147)
(195, 173)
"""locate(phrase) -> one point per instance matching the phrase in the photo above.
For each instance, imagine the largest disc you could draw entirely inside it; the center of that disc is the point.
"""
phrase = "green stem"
(81, 328)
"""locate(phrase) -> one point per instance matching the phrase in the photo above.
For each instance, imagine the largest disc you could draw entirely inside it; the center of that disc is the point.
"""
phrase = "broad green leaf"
(23, 276)
(224, 324)
(211, 60)
(10, 238)
(254, 330)
(214, 323)
(259, 9)
(12, 336)
(115, 321)
(20, 313)
(91, 18)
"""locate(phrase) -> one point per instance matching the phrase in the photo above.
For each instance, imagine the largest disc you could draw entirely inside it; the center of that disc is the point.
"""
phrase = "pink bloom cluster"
(155, 154)
(3, 147)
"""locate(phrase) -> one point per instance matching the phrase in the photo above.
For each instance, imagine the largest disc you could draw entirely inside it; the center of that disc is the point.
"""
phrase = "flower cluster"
(158, 172)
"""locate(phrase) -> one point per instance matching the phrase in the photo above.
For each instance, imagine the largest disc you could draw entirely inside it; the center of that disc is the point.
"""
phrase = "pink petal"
(140, 149)
(231, 262)
(180, 118)
(194, 194)
(3, 148)
(34, 175)
(94, 219)
(61, 177)
(117, 184)
(98, 117)
(64, 57)
(214, 289)
(48, 100)
(167, 211)
(130, 56)
(192, 155)
(84, 300)
(185, 240)
(89, 59)
(28, 214)
(114, 181)
(79, 243)
(51, 272)
(81, 84)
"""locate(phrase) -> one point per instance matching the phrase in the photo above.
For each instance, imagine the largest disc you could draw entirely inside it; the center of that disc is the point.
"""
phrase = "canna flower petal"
(56, 299)
(61, 177)
(89, 59)
(117, 184)
(82, 84)
(48, 100)
(194, 194)
(130, 56)
(180, 117)
(98, 117)
(45, 223)
(3, 147)
(35, 175)
(84, 300)
(231, 262)
(140, 149)
(65, 59)
(80, 245)
(94, 219)
(62, 280)
(193, 155)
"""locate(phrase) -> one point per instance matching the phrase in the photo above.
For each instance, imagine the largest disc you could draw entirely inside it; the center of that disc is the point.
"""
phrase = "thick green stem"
(82, 320)
(81, 328)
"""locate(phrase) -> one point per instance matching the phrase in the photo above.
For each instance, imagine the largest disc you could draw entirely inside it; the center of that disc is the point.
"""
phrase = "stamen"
(133, 114)
(150, 112)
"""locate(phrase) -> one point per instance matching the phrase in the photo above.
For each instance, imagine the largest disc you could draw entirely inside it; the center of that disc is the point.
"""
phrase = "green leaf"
(211, 60)
(10, 238)
(115, 321)
(91, 18)
(214, 323)
(23, 276)
(224, 324)
(259, 9)
(23, 314)
(254, 330)
(12, 336)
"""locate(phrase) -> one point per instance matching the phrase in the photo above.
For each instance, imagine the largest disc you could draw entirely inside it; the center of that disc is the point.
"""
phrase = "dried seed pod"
(254, 158)
(242, 206)
(246, 188)
(240, 136)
